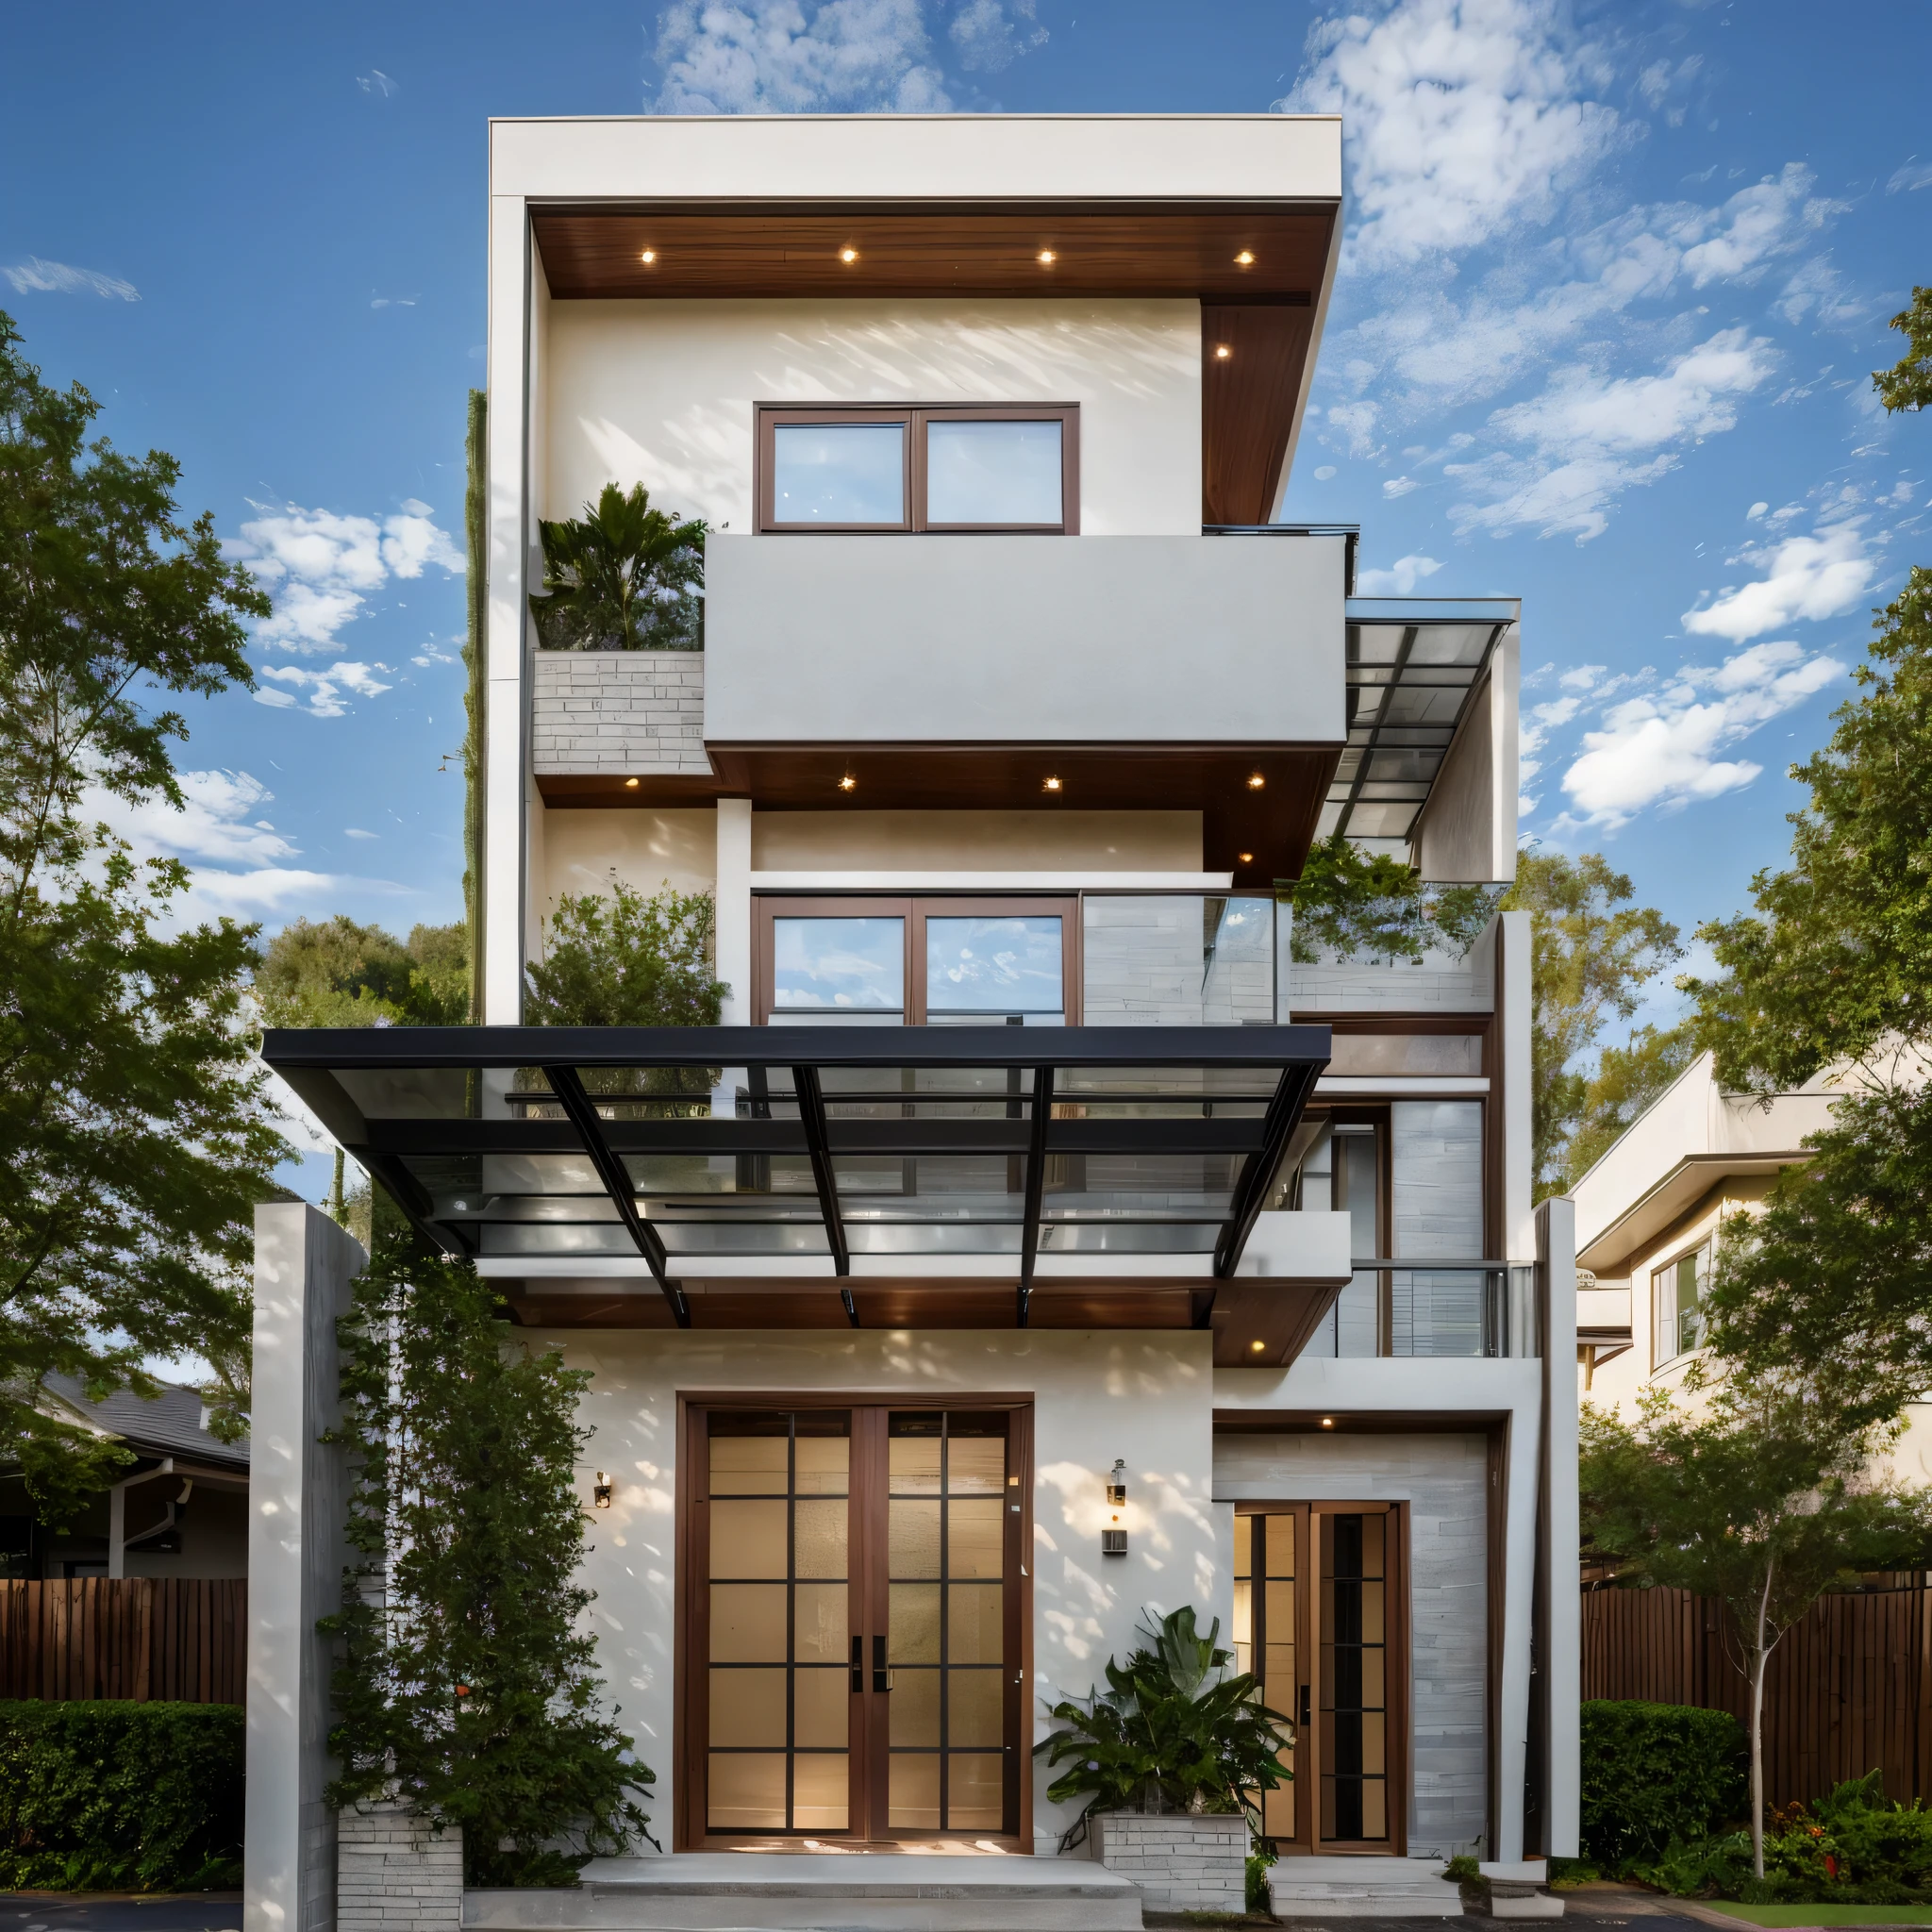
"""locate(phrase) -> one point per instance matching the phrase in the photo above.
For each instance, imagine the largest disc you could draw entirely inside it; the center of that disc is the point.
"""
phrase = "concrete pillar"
(297, 1499)
(734, 909)
(1560, 1642)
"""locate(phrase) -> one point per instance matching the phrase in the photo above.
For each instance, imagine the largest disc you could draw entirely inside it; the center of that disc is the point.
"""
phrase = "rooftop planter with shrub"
(621, 577)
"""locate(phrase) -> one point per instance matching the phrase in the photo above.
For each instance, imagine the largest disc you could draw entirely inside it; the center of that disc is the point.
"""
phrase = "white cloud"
(1662, 748)
(1465, 118)
(1399, 486)
(1815, 576)
(325, 688)
(774, 57)
(1589, 438)
(1778, 214)
(1399, 579)
(1755, 511)
(220, 826)
(34, 276)
(1909, 178)
(357, 832)
(1326, 471)
(320, 567)
(989, 37)
(378, 83)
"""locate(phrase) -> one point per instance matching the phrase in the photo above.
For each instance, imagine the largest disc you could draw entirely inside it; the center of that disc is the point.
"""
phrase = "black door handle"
(857, 1664)
(879, 1680)
(1305, 1708)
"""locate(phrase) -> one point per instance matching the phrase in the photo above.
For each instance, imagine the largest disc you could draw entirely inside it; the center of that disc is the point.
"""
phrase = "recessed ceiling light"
(1327, 1422)
(1247, 857)
(1255, 781)
(1222, 352)
(1245, 258)
(1049, 784)
(848, 255)
(630, 784)
(848, 783)
(1047, 257)
(649, 256)
(1258, 1347)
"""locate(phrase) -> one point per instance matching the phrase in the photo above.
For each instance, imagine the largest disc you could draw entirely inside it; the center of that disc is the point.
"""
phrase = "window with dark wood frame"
(915, 421)
(915, 916)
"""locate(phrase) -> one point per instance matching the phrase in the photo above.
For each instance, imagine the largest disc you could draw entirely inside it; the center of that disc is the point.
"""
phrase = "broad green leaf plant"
(621, 577)
(1172, 1731)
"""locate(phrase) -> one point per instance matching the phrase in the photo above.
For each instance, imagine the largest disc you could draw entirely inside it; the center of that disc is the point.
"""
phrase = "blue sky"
(1616, 280)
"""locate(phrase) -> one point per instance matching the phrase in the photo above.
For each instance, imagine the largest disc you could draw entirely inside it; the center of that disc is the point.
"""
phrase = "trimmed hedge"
(1658, 1773)
(100, 1796)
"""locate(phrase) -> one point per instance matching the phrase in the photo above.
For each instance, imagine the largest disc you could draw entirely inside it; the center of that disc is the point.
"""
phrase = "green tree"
(1831, 974)
(621, 577)
(626, 961)
(1759, 1498)
(1591, 954)
(1908, 384)
(1357, 904)
(135, 1135)
(466, 1683)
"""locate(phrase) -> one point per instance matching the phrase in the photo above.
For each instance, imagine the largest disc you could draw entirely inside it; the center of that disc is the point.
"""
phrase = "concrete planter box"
(395, 1875)
(631, 712)
(1182, 1861)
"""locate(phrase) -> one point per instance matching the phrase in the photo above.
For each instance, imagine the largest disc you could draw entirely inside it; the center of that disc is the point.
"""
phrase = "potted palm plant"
(621, 577)
(1172, 1759)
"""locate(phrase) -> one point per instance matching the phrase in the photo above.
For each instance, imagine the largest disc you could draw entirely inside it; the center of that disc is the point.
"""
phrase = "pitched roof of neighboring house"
(170, 1424)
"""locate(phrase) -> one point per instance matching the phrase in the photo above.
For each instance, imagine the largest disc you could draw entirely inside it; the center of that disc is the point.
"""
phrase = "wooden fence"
(138, 1638)
(1847, 1691)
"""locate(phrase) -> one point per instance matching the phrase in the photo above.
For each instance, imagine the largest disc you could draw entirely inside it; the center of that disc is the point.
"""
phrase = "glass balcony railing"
(1439, 1309)
(1177, 959)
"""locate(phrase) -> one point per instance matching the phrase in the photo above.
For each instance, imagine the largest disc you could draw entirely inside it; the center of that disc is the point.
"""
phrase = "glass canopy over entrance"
(802, 1145)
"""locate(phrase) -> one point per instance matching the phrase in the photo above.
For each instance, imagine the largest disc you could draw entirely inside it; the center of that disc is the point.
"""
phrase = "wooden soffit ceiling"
(1186, 249)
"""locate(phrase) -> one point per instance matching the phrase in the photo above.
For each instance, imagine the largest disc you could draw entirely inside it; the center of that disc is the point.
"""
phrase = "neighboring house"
(1649, 1215)
(1054, 1246)
(180, 1510)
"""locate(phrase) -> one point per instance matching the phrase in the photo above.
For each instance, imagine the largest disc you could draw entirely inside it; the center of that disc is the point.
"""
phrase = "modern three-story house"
(1049, 1236)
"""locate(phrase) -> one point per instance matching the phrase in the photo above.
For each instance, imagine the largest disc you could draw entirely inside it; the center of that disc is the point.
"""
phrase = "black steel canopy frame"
(1142, 1064)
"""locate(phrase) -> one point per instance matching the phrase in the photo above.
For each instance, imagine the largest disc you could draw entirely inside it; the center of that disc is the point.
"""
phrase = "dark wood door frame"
(868, 1600)
(1398, 1665)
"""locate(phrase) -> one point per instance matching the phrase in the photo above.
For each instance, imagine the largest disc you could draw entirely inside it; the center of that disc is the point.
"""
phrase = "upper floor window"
(1676, 1300)
(1001, 466)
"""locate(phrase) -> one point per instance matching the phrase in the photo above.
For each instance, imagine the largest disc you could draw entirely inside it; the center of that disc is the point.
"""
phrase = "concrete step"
(781, 1891)
(1361, 1889)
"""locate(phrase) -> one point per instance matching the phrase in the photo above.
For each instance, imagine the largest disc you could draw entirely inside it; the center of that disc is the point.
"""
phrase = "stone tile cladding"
(395, 1874)
(629, 711)
(1182, 1863)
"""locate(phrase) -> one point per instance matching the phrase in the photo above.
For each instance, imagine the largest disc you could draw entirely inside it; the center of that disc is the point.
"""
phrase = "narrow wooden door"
(852, 1659)
(1319, 1599)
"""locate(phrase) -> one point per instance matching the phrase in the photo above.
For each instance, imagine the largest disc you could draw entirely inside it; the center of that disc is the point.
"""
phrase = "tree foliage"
(1591, 954)
(466, 1683)
(1908, 384)
(621, 577)
(1354, 905)
(1760, 1497)
(334, 973)
(135, 1137)
(1172, 1729)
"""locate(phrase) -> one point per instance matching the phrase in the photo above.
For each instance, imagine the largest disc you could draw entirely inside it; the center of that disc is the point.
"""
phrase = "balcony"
(1144, 673)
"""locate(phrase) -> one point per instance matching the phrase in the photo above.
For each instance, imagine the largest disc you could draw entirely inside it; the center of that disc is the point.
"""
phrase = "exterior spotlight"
(1049, 784)
(1222, 352)
(848, 783)
(1047, 257)
(630, 784)
(848, 255)
(1255, 781)
(1245, 258)
(600, 1490)
(648, 257)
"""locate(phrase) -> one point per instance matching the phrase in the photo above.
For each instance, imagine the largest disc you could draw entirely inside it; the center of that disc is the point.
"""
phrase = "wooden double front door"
(1320, 1616)
(852, 1658)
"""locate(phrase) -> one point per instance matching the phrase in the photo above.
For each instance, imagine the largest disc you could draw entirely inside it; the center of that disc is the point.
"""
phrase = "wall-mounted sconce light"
(600, 1490)
(1113, 1541)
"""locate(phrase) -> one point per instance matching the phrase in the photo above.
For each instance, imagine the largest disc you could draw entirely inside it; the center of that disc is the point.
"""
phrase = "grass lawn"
(1772, 1916)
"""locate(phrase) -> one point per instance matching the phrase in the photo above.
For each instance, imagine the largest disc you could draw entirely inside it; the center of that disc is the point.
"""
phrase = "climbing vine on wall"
(465, 1682)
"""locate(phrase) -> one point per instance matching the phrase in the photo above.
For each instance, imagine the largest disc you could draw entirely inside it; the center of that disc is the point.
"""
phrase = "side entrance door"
(851, 1657)
(1320, 1615)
